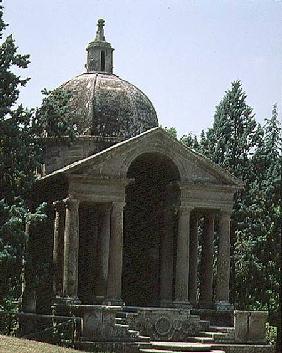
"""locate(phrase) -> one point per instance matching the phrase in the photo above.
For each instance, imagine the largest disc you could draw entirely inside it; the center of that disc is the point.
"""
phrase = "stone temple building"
(121, 251)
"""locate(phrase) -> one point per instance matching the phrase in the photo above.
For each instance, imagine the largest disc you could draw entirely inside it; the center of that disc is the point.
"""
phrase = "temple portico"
(89, 247)
(135, 246)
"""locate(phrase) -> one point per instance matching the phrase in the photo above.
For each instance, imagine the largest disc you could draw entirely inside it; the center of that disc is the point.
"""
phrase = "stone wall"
(59, 154)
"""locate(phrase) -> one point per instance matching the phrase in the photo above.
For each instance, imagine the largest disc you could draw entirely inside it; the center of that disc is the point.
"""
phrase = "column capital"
(71, 203)
(118, 205)
(59, 205)
(225, 212)
(183, 208)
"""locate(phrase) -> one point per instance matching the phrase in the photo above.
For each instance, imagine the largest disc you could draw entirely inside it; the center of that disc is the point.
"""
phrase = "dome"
(105, 105)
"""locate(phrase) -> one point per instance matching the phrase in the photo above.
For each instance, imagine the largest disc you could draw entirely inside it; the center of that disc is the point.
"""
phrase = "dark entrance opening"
(146, 198)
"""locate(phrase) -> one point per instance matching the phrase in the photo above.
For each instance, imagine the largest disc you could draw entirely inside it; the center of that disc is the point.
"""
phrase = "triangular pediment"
(114, 161)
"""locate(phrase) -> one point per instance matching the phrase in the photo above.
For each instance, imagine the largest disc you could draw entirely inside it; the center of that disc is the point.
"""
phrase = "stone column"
(71, 247)
(115, 255)
(193, 260)
(28, 298)
(166, 270)
(206, 273)
(223, 262)
(182, 260)
(103, 253)
(58, 249)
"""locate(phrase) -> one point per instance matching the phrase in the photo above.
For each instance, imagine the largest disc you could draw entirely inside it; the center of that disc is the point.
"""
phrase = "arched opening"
(153, 188)
(103, 60)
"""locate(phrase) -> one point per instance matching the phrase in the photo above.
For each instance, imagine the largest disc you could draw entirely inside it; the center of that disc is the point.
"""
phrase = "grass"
(10, 344)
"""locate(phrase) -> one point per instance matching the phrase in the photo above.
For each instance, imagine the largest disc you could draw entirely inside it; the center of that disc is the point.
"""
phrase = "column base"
(113, 302)
(166, 303)
(223, 306)
(206, 305)
(66, 301)
(182, 304)
(99, 299)
(62, 306)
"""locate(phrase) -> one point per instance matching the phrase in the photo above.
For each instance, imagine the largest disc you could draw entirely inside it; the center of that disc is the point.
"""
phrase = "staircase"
(203, 342)
(214, 335)
(129, 338)
(121, 321)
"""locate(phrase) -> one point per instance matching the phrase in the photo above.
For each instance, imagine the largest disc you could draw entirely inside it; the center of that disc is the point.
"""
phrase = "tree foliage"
(17, 163)
(257, 246)
(53, 118)
(253, 154)
(21, 150)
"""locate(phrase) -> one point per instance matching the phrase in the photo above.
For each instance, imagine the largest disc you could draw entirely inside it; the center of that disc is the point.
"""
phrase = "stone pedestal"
(115, 255)
(193, 260)
(206, 277)
(223, 262)
(250, 326)
(71, 244)
(182, 261)
(166, 275)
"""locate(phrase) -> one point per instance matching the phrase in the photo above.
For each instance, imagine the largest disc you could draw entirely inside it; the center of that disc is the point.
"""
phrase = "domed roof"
(105, 105)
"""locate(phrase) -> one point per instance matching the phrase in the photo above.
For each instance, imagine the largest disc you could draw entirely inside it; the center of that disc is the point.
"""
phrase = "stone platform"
(124, 329)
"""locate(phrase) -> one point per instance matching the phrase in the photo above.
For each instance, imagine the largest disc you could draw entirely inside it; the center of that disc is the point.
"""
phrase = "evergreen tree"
(21, 148)
(231, 142)
(190, 141)
(17, 163)
(172, 131)
(54, 117)
(235, 133)
(257, 246)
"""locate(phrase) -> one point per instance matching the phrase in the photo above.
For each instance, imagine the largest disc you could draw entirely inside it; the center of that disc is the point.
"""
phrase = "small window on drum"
(102, 60)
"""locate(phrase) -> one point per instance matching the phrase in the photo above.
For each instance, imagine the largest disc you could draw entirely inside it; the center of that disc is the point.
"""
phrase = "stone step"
(91, 346)
(242, 347)
(201, 339)
(204, 324)
(218, 337)
(226, 329)
(181, 346)
(191, 349)
(125, 315)
(213, 335)
(134, 333)
(120, 320)
(122, 325)
(143, 345)
(144, 338)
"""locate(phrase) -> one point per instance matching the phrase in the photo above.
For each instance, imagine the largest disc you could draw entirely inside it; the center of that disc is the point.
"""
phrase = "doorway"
(146, 197)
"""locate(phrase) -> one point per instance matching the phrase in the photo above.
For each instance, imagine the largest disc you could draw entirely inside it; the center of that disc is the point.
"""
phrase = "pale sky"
(183, 54)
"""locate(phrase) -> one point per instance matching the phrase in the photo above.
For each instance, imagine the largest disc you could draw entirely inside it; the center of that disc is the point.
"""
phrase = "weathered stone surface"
(206, 277)
(71, 244)
(164, 324)
(250, 326)
(223, 264)
(257, 326)
(99, 324)
(105, 105)
(245, 348)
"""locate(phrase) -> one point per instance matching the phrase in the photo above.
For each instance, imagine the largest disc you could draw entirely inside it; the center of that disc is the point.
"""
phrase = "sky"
(183, 54)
